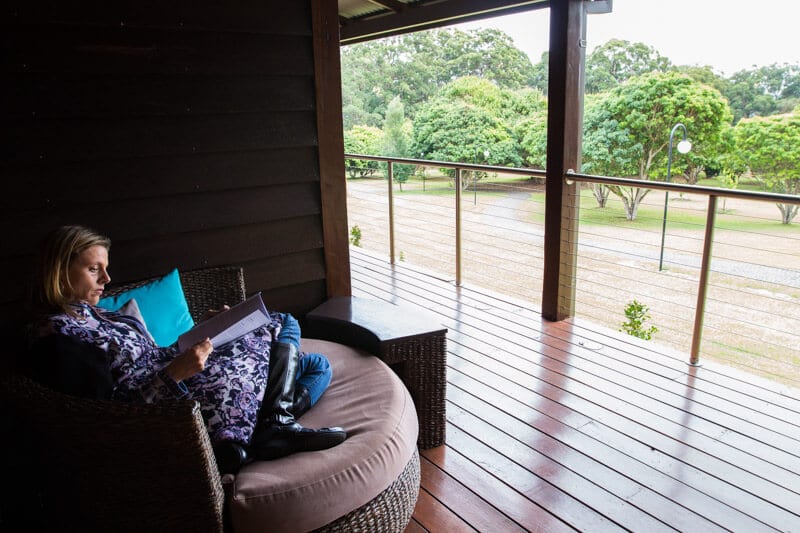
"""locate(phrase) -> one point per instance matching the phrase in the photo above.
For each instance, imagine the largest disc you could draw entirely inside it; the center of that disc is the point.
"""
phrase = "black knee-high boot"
(302, 401)
(277, 433)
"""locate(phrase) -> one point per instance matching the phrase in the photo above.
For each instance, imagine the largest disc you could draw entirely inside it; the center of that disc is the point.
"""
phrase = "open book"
(228, 325)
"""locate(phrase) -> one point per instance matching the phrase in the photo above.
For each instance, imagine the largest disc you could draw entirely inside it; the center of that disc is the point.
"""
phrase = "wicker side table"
(407, 338)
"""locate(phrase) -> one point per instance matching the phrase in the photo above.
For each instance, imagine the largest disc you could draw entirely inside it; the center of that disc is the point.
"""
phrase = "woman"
(250, 390)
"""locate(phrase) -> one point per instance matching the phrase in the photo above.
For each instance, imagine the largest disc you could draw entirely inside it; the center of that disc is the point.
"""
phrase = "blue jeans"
(314, 373)
(314, 370)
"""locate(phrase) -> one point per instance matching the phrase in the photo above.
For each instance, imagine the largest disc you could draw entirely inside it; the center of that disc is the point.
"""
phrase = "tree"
(415, 66)
(607, 147)
(705, 75)
(540, 73)
(731, 162)
(364, 87)
(771, 148)
(616, 61)
(764, 91)
(457, 131)
(366, 140)
(626, 131)
(397, 140)
(532, 135)
(487, 53)
(510, 105)
(468, 117)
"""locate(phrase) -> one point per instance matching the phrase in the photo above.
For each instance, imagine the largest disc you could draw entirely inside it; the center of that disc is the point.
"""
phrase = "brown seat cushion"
(308, 490)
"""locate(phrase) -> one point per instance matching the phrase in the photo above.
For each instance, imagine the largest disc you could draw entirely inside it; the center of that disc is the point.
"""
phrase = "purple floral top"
(229, 389)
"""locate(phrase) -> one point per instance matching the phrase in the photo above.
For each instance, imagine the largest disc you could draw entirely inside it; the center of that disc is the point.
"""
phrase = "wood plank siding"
(562, 426)
(190, 134)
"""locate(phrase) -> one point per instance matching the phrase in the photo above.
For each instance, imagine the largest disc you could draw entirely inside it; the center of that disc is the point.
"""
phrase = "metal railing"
(711, 193)
(457, 185)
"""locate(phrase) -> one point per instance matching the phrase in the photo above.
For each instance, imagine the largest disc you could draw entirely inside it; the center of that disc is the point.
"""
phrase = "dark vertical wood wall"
(186, 132)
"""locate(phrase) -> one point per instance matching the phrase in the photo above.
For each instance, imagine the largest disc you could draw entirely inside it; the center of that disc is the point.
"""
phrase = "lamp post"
(683, 147)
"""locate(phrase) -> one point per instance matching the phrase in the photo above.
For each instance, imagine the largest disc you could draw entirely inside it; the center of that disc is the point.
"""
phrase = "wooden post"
(333, 191)
(564, 133)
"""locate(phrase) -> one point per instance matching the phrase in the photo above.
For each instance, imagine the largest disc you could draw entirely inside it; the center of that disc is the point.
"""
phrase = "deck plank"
(414, 527)
(431, 515)
(608, 451)
(554, 426)
(500, 494)
(461, 500)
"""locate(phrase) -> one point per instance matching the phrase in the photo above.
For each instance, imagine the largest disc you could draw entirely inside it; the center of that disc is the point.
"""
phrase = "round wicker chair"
(123, 467)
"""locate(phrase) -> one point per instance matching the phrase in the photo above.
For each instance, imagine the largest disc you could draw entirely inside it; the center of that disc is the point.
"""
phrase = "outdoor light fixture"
(683, 147)
(599, 6)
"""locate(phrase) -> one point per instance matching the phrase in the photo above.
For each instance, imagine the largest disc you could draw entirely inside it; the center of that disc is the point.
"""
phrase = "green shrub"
(637, 314)
(355, 236)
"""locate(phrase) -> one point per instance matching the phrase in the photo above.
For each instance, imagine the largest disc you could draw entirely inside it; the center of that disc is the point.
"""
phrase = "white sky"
(728, 35)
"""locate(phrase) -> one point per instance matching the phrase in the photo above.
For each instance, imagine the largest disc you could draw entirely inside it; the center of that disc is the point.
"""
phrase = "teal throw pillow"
(162, 305)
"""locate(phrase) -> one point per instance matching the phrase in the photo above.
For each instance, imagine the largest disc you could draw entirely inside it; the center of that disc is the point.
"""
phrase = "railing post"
(702, 291)
(390, 175)
(458, 226)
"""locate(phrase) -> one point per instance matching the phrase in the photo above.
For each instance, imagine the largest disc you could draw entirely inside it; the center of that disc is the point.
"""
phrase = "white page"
(244, 326)
(228, 325)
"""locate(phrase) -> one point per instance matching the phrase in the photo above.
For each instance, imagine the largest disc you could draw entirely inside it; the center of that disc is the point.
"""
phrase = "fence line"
(715, 234)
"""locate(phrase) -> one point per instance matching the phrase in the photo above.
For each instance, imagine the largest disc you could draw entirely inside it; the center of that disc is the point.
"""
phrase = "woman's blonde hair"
(51, 287)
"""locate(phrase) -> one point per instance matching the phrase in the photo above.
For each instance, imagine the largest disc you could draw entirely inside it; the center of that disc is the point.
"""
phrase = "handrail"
(680, 188)
(449, 164)
(593, 178)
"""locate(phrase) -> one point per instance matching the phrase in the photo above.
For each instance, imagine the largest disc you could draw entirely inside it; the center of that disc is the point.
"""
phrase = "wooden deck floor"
(567, 426)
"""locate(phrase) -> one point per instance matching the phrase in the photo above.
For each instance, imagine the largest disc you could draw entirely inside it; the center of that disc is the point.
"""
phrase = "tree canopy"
(366, 140)
(763, 91)
(397, 139)
(770, 146)
(415, 66)
(469, 117)
(626, 129)
(617, 60)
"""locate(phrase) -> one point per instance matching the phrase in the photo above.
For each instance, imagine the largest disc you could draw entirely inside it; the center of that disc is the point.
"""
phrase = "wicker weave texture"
(111, 466)
(207, 288)
(424, 373)
(211, 288)
(389, 512)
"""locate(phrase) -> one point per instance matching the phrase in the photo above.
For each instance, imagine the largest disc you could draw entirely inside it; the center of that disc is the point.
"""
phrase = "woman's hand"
(191, 361)
(211, 312)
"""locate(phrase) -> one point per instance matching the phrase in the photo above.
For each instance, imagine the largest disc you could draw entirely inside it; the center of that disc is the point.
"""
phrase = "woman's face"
(88, 275)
